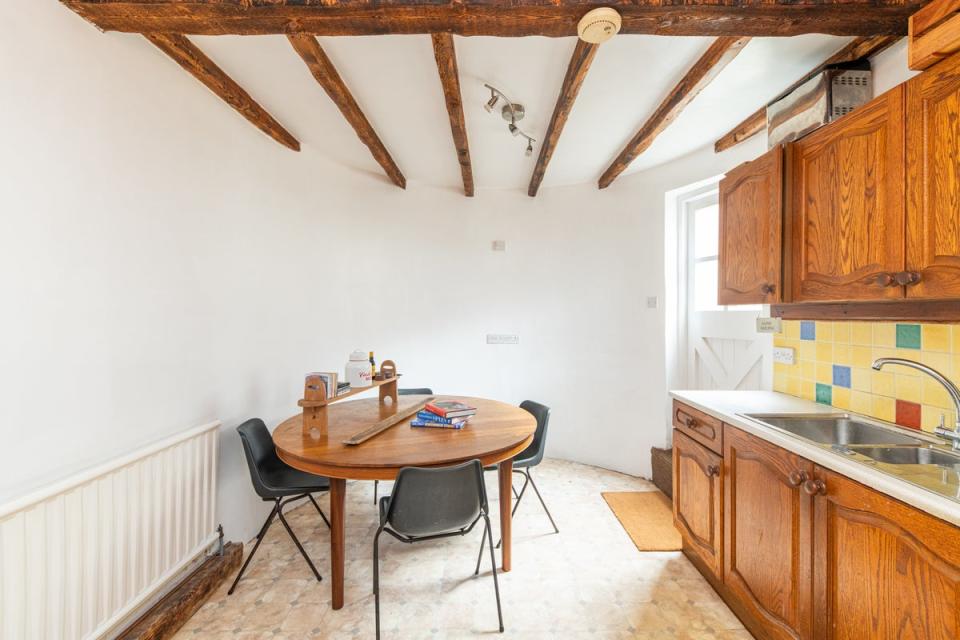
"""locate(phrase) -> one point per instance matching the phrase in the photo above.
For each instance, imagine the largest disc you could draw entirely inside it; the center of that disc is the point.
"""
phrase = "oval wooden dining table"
(496, 434)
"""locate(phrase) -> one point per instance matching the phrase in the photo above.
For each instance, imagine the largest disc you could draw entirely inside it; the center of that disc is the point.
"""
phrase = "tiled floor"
(587, 582)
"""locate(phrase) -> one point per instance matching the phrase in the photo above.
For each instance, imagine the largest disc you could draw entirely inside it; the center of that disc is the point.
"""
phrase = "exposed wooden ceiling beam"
(576, 73)
(757, 121)
(702, 73)
(446, 55)
(326, 75)
(188, 56)
(497, 17)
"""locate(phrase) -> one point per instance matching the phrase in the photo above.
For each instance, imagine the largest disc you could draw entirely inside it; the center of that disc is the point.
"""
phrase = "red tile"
(908, 414)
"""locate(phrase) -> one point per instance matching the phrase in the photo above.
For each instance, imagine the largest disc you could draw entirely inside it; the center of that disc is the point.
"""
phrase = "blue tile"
(841, 376)
(808, 330)
(824, 394)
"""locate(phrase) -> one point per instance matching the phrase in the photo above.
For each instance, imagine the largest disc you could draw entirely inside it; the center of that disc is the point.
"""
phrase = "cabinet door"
(751, 223)
(767, 534)
(882, 570)
(933, 181)
(697, 498)
(847, 206)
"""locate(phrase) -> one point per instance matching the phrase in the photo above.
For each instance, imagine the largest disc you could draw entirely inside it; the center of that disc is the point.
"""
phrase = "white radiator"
(79, 557)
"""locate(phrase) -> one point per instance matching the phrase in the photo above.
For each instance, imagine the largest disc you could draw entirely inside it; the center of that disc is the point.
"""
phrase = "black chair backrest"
(534, 453)
(423, 391)
(428, 501)
(260, 452)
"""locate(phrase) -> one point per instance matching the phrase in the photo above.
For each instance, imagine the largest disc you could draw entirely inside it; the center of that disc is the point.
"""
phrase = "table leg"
(506, 506)
(338, 491)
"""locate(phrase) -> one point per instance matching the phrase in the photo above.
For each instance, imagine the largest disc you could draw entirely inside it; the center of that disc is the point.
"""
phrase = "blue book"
(436, 425)
(427, 416)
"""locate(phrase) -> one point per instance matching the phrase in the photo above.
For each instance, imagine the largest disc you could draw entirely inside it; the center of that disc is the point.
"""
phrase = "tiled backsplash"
(832, 366)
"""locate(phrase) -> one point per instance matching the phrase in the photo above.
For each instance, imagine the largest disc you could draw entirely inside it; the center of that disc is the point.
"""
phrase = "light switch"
(652, 302)
(499, 245)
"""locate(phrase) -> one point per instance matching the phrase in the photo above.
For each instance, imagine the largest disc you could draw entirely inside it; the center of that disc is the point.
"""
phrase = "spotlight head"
(491, 103)
(529, 151)
(514, 129)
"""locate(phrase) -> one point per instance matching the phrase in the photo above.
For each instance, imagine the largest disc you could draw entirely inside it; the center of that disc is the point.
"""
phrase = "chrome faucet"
(954, 435)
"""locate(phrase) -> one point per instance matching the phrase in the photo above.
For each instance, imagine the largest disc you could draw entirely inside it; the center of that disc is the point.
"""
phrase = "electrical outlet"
(502, 338)
(783, 355)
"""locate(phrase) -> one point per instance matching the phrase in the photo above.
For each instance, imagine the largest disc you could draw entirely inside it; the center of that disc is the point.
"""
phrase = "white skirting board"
(79, 557)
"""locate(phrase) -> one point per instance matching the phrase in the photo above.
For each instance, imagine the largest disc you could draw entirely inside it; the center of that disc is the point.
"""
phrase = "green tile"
(824, 393)
(908, 336)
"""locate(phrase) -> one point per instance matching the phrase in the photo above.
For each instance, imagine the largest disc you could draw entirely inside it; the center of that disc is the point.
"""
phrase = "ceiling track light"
(512, 112)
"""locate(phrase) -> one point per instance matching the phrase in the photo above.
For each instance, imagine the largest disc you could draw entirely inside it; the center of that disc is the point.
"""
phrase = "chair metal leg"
(376, 577)
(523, 489)
(537, 491)
(483, 543)
(296, 541)
(319, 510)
(260, 536)
(376, 484)
(493, 565)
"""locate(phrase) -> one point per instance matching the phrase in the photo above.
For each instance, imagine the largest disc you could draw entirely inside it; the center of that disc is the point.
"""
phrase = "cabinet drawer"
(703, 428)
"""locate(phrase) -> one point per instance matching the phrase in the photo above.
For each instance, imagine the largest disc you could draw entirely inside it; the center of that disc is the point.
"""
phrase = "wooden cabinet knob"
(690, 422)
(887, 279)
(815, 487)
(713, 470)
(797, 478)
(768, 289)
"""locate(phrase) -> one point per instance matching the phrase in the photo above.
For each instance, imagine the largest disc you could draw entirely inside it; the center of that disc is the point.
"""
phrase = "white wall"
(163, 264)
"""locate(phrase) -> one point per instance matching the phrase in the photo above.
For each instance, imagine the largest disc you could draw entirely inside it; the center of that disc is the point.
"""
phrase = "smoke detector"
(599, 25)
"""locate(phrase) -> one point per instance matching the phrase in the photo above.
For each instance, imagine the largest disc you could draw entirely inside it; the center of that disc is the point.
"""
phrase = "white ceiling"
(395, 81)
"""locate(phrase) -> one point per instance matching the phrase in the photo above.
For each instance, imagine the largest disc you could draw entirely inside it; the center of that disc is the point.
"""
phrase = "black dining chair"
(433, 503)
(275, 481)
(532, 456)
(423, 391)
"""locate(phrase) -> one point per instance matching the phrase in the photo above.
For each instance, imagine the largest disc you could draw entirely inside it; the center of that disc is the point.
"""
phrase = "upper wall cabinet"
(751, 215)
(933, 182)
(847, 206)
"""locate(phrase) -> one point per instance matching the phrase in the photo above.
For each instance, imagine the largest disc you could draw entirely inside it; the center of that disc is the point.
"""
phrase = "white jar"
(358, 370)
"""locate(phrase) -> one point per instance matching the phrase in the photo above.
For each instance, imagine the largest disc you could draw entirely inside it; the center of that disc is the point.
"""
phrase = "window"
(705, 237)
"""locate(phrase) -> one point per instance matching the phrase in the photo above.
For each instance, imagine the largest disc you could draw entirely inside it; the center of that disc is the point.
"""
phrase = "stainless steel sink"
(836, 430)
(909, 455)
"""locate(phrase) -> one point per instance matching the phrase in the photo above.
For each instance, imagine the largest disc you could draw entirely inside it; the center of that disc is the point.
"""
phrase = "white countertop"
(729, 406)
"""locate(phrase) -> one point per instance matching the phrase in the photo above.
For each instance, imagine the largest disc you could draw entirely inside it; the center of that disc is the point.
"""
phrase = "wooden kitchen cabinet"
(697, 500)
(882, 570)
(751, 215)
(933, 182)
(847, 206)
(767, 535)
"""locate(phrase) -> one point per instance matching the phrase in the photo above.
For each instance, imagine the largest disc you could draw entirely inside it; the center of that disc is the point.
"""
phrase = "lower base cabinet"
(801, 552)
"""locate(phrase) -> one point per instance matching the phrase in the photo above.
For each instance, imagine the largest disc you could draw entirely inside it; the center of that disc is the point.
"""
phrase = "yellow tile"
(882, 384)
(824, 331)
(824, 351)
(791, 329)
(955, 335)
(883, 408)
(808, 390)
(861, 333)
(841, 398)
(808, 370)
(824, 373)
(861, 357)
(860, 402)
(779, 340)
(884, 334)
(841, 354)
(841, 332)
(930, 417)
(808, 351)
(935, 337)
(794, 386)
(934, 393)
(885, 352)
(908, 388)
(942, 362)
(860, 379)
(779, 381)
(781, 370)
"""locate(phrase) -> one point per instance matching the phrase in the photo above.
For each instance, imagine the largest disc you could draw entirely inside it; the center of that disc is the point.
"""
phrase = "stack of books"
(444, 415)
(330, 382)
